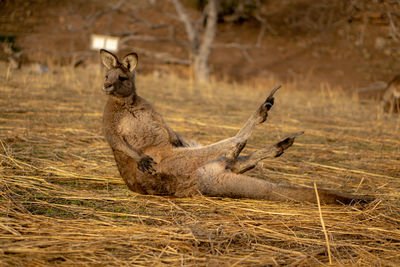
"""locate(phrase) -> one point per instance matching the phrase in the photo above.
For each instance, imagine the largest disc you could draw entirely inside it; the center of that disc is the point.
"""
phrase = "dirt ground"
(347, 46)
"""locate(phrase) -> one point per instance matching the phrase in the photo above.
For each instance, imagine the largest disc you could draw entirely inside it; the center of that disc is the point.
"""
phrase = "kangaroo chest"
(141, 130)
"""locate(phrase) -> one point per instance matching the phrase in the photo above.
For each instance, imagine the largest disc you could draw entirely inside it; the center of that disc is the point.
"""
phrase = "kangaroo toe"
(286, 143)
(267, 105)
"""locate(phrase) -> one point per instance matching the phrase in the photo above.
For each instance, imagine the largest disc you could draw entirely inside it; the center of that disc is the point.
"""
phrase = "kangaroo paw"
(286, 143)
(267, 105)
(145, 165)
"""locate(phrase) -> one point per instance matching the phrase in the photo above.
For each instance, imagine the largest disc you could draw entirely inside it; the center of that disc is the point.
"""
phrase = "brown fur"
(391, 97)
(153, 159)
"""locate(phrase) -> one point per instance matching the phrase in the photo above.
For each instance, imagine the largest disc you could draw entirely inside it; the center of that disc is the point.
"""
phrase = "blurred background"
(349, 44)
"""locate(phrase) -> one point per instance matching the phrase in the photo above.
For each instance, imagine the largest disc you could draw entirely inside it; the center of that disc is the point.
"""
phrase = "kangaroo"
(391, 96)
(154, 159)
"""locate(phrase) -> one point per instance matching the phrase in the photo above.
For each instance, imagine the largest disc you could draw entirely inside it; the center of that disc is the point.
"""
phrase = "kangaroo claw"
(269, 102)
(145, 165)
(296, 134)
(271, 95)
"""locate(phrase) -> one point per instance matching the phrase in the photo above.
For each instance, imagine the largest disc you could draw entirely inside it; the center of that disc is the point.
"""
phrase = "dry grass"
(62, 201)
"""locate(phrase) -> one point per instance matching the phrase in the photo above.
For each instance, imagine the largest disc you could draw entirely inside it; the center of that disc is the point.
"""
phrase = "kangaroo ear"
(130, 61)
(109, 59)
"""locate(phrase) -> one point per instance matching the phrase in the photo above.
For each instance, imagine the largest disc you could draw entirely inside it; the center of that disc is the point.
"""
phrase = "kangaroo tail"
(228, 184)
(296, 193)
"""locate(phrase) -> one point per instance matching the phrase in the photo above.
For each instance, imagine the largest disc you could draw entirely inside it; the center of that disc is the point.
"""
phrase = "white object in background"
(109, 43)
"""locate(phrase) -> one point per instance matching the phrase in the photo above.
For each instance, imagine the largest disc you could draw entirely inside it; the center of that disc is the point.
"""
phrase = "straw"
(63, 202)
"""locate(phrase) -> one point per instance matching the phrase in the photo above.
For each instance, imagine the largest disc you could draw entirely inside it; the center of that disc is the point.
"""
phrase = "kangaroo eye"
(121, 78)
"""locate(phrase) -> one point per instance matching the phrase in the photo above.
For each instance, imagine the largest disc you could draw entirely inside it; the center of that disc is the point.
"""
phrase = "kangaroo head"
(120, 76)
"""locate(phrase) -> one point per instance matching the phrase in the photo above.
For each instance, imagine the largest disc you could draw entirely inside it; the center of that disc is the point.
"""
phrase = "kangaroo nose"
(107, 87)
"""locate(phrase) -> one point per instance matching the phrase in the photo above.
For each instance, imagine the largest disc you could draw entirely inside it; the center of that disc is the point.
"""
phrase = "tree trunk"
(200, 50)
(200, 60)
(201, 68)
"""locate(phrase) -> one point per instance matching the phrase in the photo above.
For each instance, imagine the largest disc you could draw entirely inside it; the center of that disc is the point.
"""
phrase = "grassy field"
(62, 201)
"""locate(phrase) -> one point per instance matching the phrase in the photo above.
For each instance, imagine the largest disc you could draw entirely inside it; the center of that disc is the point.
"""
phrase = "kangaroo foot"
(245, 163)
(256, 118)
(266, 106)
(286, 143)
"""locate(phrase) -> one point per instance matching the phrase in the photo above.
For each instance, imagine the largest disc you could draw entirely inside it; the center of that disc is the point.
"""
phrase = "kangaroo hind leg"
(258, 117)
(214, 179)
(230, 147)
(248, 162)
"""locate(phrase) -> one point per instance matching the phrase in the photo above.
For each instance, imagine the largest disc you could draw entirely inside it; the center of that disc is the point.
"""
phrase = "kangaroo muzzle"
(108, 88)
